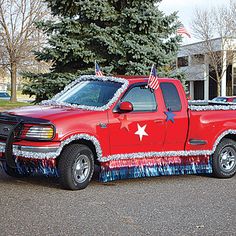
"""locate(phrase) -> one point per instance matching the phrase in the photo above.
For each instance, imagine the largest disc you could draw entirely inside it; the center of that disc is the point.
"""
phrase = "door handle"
(158, 121)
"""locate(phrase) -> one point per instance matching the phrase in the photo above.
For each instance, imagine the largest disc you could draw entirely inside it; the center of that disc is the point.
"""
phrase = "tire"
(76, 167)
(224, 159)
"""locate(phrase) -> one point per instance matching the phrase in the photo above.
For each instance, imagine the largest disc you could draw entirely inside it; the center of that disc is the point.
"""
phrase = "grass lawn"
(6, 105)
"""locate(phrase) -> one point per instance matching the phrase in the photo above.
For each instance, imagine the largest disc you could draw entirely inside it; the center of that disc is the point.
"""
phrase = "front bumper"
(31, 160)
(36, 152)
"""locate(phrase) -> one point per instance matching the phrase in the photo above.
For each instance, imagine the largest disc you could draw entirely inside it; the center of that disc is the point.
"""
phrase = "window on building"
(182, 61)
(197, 59)
(141, 98)
(171, 96)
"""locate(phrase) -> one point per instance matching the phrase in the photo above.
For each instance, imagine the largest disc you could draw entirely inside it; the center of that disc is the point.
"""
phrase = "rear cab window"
(171, 96)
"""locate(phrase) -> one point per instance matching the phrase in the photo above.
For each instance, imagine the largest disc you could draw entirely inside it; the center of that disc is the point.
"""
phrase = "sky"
(186, 10)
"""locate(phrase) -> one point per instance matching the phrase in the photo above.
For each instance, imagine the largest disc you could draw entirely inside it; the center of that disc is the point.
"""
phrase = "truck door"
(141, 130)
(176, 116)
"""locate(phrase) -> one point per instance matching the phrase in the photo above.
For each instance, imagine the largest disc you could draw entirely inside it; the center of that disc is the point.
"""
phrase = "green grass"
(6, 105)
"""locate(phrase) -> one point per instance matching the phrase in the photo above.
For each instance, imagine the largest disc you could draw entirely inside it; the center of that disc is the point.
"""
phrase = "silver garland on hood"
(53, 101)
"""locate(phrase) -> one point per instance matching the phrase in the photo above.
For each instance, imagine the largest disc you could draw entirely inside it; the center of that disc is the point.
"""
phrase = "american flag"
(153, 79)
(182, 31)
(97, 70)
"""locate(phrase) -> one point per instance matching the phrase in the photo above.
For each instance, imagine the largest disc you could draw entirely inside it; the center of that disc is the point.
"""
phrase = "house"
(3, 84)
(196, 61)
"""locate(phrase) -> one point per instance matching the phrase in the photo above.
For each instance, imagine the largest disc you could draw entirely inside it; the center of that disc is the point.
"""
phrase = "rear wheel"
(224, 159)
(76, 167)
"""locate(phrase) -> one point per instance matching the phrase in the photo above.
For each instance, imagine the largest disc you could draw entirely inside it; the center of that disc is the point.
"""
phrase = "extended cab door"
(176, 115)
(141, 130)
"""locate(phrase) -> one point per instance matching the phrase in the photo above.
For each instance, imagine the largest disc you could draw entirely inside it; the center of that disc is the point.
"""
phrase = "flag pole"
(149, 76)
(151, 69)
(150, 72)
(95, 67)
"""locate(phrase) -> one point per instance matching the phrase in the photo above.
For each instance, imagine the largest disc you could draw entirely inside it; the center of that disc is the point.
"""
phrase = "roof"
(216, 44)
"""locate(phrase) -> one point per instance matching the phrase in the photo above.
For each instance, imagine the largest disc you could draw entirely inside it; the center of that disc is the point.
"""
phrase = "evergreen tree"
(123, 36)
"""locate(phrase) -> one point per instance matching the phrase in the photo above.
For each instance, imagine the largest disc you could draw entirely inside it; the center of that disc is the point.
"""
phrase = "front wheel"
(224, 159)
(76, 167)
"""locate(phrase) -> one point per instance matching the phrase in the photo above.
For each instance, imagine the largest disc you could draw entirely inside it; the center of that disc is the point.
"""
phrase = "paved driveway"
(177, 205)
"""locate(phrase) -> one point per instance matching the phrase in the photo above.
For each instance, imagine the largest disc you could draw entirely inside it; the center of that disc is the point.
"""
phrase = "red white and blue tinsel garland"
(31, 166)
(133, 165)
(149, 167)
(130, 165)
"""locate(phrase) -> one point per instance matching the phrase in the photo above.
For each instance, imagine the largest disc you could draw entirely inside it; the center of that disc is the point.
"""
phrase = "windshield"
(90, 93)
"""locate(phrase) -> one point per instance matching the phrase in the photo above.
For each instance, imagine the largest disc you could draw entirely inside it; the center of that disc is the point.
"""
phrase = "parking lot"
(177, 205)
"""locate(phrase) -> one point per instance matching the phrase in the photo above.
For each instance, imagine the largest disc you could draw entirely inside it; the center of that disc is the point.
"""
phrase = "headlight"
(45, 132)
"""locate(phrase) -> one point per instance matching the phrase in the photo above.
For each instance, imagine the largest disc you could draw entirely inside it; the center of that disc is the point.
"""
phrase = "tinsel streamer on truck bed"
(148, 167)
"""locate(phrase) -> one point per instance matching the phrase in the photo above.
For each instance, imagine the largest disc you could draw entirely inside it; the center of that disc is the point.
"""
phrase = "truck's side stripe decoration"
(140, 155)
(101, 158)
(53, 101)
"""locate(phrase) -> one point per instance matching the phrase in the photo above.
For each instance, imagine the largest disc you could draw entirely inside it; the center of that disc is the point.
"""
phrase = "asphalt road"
(176, 205)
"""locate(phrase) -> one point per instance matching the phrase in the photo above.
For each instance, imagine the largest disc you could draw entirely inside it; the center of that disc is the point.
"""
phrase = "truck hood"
(51, 113)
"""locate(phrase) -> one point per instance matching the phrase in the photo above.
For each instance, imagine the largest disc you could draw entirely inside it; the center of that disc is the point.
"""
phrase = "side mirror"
(126, 107)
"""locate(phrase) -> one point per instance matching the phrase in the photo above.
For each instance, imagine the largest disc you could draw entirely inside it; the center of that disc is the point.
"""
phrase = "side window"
(141, 98)
(171, 96)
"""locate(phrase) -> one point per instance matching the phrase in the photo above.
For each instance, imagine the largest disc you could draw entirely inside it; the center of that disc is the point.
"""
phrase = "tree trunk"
(218, 86)
(13, 81)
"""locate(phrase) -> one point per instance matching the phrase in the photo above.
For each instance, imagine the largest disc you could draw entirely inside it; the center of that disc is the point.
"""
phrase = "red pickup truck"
(124, 127)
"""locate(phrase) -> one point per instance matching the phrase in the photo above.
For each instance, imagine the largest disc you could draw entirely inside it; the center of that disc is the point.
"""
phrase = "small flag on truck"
(153, 82)
(98, 72)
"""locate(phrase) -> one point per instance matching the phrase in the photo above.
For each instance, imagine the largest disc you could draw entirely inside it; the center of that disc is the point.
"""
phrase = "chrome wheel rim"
(81, 168)
(227, 159)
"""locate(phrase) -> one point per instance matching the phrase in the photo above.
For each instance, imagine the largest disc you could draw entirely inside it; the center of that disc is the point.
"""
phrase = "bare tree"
(18, 34)
(209, 25)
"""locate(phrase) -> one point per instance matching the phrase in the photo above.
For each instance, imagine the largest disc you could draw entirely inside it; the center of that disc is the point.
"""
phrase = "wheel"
(224, 159)
(76, 167)
(13, 172)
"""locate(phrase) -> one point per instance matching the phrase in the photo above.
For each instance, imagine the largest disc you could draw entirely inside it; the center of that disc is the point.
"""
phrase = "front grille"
(5, 129)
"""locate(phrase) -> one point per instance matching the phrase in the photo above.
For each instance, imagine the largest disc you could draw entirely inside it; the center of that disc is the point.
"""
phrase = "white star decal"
(141, 132)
